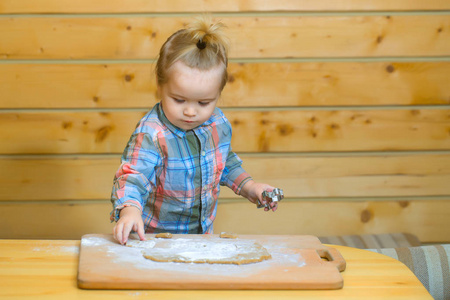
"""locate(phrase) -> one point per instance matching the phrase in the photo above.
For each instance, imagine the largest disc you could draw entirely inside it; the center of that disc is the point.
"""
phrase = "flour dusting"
(58, 249)
(94, 241)
(219, 251)
(133, 257)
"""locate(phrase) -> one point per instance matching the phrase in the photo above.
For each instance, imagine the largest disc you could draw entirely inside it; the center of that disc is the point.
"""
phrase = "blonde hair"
(202, 45)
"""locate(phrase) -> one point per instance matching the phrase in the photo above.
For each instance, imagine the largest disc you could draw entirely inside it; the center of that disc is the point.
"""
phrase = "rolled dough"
(228, 235)
(148, 244)
(164, 235)
(212, 251)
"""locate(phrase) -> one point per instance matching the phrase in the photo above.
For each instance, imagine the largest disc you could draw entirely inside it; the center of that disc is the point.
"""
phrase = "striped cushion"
(374, 241)
(429, 263)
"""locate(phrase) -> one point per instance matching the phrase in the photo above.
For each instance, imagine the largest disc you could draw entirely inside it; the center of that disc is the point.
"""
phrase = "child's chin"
(187, 126)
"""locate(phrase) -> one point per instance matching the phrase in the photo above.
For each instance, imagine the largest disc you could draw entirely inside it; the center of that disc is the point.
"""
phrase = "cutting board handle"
(333, 257)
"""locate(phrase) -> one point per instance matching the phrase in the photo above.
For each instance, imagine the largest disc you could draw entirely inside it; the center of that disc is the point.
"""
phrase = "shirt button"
(203, 153)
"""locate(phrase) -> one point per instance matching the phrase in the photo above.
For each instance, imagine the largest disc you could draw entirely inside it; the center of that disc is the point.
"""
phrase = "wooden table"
(40, 269)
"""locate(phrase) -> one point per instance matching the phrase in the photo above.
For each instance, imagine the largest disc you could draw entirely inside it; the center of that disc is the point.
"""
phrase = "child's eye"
(178, 100)
(204, 103)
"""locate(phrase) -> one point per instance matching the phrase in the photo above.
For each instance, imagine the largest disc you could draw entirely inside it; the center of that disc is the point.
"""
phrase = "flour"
(94, 241)
(207, 251)
(133, 257)
(70, 249)
(58, 249)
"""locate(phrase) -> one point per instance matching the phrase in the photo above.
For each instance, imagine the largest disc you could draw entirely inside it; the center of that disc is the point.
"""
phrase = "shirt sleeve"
(135, 179)
(234, 176)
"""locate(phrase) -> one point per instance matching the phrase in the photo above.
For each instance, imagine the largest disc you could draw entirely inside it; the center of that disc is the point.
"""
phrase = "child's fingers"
(118, 232)
(126, 232)
(269, 188)
(263, 201)
(274, 206)
(139, 228)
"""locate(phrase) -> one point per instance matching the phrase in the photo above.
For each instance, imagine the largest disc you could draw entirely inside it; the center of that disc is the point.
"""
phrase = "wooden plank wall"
(343, 104)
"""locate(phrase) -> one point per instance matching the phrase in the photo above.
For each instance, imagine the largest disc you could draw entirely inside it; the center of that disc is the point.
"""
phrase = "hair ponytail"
(202, 45)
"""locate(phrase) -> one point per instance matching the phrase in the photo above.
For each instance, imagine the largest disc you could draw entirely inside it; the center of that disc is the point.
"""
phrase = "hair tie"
(201, 44)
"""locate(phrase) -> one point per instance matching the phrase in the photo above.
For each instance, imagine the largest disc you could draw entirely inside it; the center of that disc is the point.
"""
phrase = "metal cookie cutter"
(273, 196)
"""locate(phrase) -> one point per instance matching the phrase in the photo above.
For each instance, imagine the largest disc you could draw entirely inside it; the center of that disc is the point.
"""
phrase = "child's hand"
(253, 192)
(130, 219)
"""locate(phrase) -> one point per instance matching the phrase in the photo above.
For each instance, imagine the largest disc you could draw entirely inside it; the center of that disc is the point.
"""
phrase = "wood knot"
(67, 125)
(379, 39)
(129, 27)
(334, 126)
(102, 134)
(95, 99)
(403, 204)
(129, 77)
(231, 79)
(285, 129)
(390, 68)
(366, 215)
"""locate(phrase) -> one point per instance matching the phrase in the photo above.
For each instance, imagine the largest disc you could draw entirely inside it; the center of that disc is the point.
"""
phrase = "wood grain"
(428, 219)
(271, 131)
(86, 178)
(354, 63)
(121, 268)
(77, 86)
(250, 84)
(291, 36)
(184, 6)
(23, 263)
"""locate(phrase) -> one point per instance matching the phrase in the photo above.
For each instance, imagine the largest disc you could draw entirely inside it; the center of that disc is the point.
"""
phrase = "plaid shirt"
(160, 173)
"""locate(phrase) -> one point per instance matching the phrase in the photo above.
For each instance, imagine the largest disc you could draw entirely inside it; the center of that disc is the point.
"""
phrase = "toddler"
(180, 153)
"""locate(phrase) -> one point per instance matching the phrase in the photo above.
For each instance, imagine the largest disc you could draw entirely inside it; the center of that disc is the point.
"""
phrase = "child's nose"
(189, 111)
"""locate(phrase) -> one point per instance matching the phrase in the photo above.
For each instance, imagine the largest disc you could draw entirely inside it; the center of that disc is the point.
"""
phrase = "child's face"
(190, 95)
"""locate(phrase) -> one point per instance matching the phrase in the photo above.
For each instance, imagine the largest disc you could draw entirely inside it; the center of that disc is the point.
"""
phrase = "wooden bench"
(343, 104)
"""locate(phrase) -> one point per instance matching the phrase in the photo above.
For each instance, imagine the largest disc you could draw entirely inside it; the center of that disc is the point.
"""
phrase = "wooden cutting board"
(298, 262)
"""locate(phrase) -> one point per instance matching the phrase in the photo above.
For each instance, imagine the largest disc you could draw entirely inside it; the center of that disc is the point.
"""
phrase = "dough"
(148, 244)
(165, 235)
(228, 235)
(211, 250)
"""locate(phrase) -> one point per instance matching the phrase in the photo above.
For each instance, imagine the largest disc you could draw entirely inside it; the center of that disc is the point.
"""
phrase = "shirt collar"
(176, 130)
